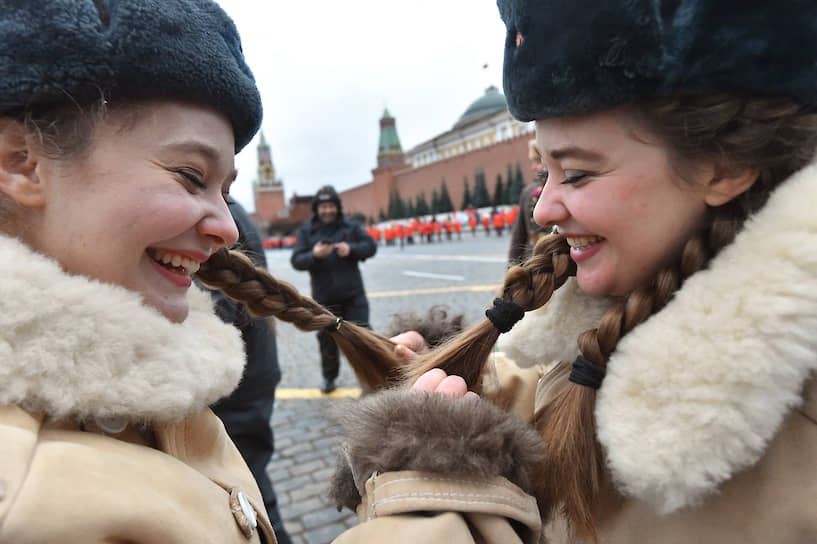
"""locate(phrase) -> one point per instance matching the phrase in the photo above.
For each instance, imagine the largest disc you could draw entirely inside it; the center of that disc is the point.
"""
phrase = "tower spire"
(389, 151)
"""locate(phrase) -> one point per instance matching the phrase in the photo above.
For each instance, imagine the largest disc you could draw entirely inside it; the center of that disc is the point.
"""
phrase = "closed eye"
(193, 178)
(575, 178)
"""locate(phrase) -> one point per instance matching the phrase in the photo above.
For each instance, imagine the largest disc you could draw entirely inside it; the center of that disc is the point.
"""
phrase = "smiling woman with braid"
(119, 124)
(661, 386)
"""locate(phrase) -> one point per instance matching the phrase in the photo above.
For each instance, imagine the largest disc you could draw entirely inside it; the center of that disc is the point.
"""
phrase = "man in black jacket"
(330, 246)
(246, 413)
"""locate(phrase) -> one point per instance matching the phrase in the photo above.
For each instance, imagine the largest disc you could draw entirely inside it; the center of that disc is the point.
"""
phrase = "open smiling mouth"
(583, 242)
(174, 262)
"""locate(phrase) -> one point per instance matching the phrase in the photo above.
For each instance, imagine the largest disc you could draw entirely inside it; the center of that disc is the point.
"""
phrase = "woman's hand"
(437, 381)
(409, 344)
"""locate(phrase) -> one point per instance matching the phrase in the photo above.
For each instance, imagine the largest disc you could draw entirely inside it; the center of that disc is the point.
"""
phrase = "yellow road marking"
(315, 393)
(432, 290)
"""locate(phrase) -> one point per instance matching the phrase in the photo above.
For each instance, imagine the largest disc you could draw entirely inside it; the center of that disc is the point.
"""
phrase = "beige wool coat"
(105, 434)
(707, 415)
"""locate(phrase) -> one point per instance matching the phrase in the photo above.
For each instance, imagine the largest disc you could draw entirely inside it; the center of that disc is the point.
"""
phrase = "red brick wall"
(492, 160)
(268, 203)
(359, 199)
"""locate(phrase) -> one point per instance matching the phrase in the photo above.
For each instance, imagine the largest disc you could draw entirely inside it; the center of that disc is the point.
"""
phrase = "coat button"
(243, 512)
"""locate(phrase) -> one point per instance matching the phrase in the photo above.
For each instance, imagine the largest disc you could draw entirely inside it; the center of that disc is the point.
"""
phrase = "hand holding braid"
(370, 354)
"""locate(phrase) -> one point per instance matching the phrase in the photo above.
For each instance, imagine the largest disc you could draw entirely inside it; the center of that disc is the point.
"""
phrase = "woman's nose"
(550, 209)
(219, 226)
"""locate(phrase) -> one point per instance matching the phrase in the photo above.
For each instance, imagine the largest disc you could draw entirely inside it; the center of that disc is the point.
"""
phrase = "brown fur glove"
(406, 430)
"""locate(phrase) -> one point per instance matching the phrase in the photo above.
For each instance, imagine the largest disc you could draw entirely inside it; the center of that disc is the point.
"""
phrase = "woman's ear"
(19, 178)
(724, 187)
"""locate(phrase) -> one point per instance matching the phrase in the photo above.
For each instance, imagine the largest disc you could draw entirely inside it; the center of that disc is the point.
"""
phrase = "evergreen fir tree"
(514, 190)
(445, 199)
(467, 200)
(421, 206)
(409, 208)
(499, 192)
(435, 201)
(481, 196)
(519, 175)
(390, 212)
(381, 216)
(399, 206)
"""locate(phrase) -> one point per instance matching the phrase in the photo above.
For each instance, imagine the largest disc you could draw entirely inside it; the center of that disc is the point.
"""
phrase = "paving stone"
(296, 449)
(323, 475)
(278, 474)
(293, 483)
(308, 468)
(319, 453)
(297, 539)
(309, 490)
(298, 509)
(324, 535)
(323, 517)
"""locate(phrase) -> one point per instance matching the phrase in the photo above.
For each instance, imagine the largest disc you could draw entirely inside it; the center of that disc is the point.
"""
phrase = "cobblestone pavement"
(461, 274)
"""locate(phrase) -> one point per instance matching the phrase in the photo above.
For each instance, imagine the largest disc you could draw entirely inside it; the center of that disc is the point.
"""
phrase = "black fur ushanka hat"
(58, 51)
(569, 57)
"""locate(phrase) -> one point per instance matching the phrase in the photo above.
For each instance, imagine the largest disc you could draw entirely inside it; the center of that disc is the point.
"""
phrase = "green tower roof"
(389, 141)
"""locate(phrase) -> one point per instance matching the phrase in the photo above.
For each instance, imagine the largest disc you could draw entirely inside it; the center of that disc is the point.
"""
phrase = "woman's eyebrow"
(194, 146)
(576, 153)
(208, 152)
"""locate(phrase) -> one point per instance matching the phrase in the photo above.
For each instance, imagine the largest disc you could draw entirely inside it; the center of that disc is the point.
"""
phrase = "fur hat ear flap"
(571, 58)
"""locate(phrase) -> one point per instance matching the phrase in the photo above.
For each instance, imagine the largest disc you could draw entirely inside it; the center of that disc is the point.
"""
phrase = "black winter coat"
(262, 373)
(334, 279)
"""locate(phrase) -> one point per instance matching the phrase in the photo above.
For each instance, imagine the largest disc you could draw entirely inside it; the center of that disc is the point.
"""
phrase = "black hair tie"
(504, 314)
(586, 372)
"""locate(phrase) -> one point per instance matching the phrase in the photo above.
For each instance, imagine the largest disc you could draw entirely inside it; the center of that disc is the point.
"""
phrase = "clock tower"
(267, 189)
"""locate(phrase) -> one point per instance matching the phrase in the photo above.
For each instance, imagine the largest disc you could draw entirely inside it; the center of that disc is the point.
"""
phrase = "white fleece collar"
(75, 347)
(696, 393)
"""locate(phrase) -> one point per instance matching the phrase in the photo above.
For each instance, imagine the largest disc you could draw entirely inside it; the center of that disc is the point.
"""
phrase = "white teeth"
(582, 242)
(189, 265)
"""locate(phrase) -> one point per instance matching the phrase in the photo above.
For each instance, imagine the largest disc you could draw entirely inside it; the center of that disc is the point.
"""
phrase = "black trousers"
(250, 429)
(355, 310)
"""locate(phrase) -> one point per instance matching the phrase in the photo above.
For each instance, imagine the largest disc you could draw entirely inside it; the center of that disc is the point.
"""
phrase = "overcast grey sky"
(326, 69)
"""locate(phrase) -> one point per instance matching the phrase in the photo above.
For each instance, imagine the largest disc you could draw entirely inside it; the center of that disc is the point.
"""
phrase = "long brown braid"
(530, 285)
(370, 354)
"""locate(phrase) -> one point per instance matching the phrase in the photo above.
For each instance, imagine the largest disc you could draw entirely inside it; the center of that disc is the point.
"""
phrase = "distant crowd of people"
(430, 229)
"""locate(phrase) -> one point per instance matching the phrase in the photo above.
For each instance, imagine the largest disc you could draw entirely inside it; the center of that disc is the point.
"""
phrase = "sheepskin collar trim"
(73, 347)
(696, 393)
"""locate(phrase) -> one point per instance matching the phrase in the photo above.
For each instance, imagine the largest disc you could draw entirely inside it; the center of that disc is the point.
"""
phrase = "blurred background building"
(477, 163)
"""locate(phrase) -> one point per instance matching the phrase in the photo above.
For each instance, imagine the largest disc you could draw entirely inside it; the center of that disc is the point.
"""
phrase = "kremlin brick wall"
(368, 199)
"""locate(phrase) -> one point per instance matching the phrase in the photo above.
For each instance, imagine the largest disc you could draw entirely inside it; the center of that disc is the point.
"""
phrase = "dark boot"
(328, 386)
